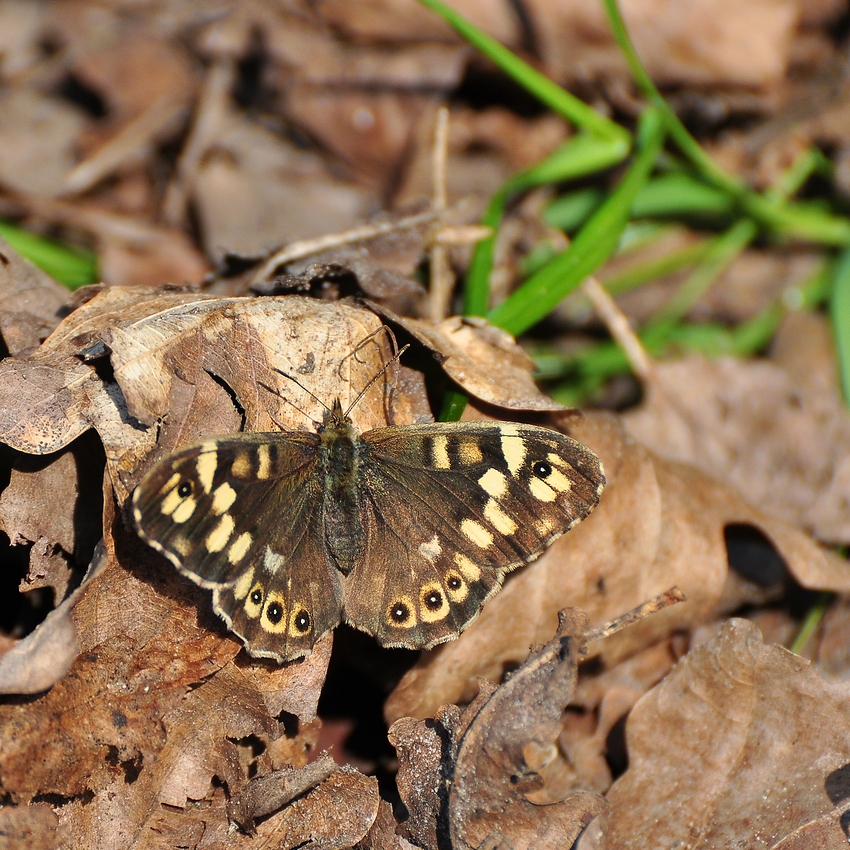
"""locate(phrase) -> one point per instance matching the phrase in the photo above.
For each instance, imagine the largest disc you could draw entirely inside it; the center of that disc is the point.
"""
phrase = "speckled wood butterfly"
(403, 532)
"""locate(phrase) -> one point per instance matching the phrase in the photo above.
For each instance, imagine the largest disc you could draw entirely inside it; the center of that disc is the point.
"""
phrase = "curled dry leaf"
(39, 660)
(51, 397)
(336, 814)
(473, 776)
(659, 523)
(348, 269)
(784, 445)
(742, 745)
(468, 348)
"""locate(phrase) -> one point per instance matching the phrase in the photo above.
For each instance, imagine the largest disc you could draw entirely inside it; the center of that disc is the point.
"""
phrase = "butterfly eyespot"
(401, 614)
(257, 596)
(542, 468)
(456, 587)
(185, 489)
(301, 622)
(433, 600)
(274, 613)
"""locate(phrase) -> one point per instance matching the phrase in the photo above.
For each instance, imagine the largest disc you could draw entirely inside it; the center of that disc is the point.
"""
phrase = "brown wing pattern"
(451, 509)
(265, 559)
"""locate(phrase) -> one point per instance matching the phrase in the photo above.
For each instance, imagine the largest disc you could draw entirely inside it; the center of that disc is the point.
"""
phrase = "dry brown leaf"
(697, 43)
(31, 302)
(275, 192)
(31, 827)
(659, 523)
(468, 349)
(336, 814)
(784, 446)
(480, 775)
(54, 504)
(38, 135)
(364, 103)
(742, 745)
(346, 269)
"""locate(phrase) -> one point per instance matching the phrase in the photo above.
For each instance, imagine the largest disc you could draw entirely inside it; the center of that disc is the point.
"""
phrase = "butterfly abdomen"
(345, 536)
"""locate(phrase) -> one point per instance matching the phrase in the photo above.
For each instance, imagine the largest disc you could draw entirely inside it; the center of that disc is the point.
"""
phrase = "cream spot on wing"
(239, 548)
(433, 603)
(243, 584)
(207, 464)
(513, 449)
(171, 502)
(541, 490)
(470, 453)
(558, 481)
(476, 533)
(494, 483)
(241, 467)
(494, 514)
(470, 570)
(218, 537)
(223, 498)
(272, 561)
(543, 526)
(181, 545)
(557, 460)
(440, 452)
(431, 549)
(264, 462)
(184, 510)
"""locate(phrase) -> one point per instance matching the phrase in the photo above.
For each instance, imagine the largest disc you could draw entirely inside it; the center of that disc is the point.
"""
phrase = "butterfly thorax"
(345, 536)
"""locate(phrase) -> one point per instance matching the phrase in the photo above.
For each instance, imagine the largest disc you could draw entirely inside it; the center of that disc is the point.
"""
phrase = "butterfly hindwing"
(243, 515)
(474, 501)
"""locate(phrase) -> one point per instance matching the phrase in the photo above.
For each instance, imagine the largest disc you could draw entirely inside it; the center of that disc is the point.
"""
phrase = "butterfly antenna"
(394, 359)
(299, 384)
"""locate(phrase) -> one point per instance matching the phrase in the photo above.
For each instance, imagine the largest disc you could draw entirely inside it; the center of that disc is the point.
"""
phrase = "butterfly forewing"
(475, 500)
(243, 515)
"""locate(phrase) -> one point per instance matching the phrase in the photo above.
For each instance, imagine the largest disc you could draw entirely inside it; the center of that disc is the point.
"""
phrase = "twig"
(131, 143)
(656, 604)
(441, 276)
(620, 329)
(306, 247)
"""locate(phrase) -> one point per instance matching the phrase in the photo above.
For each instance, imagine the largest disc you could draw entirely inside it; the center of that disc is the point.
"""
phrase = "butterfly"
(403, 532)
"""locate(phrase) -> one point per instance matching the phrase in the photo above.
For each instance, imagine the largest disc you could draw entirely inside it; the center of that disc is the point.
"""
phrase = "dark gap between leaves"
(360, 676)
(753, 556)
(74, 90)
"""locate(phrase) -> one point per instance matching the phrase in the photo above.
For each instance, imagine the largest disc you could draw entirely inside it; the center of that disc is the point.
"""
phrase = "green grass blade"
(789, 220)
(840, 314)
(541, 293)
(545, 90)
(577, 157)
(70, 266)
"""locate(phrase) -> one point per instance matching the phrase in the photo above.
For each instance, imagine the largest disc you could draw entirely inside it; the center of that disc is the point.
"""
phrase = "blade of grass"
(577, 157)
(598, 239)
(724, 249)
(70, 266)
(792, 220)
(545, 90)
(839, 309)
